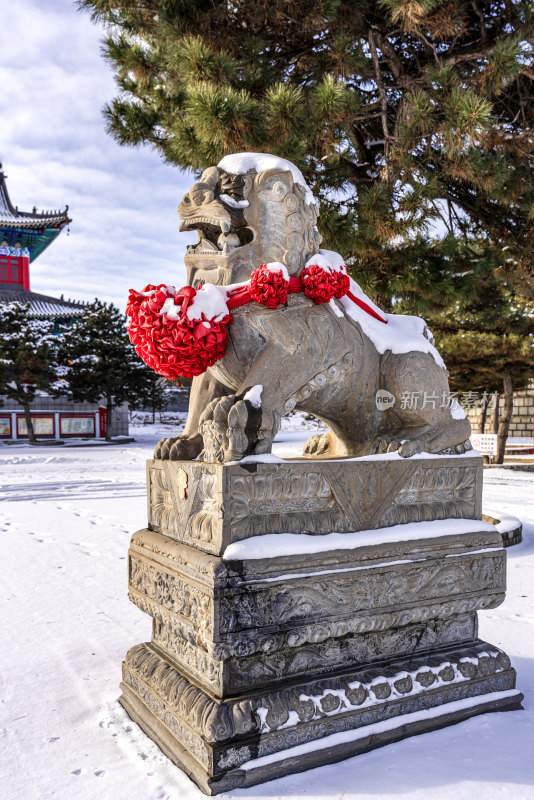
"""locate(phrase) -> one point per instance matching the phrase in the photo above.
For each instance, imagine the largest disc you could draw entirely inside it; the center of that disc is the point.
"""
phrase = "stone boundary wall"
(522, 417)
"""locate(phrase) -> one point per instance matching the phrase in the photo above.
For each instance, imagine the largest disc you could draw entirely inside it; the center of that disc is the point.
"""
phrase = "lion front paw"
(163, 447)
(411, 447)
(179, 448)
(232, 428)
(386, 444)
(317, 445)
(223, 430)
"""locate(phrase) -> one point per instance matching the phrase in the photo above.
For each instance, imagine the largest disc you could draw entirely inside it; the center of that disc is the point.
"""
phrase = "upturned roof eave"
(27, 218)
(41, 221)
(41, 305)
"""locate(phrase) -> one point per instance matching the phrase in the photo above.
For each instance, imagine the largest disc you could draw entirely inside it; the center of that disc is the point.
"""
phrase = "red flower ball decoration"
(320, 285)
(174, 345)
(268, 287)
(342, 284)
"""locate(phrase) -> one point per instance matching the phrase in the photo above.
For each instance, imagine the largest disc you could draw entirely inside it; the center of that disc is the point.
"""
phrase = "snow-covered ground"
(65, 522)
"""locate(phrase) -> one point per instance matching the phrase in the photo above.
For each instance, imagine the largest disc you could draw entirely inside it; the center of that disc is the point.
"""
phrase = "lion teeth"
(205, 244)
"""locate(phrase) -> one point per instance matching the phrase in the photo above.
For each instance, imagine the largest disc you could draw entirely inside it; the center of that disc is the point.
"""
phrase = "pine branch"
(528, 72)
(383, 102)
(480, 15)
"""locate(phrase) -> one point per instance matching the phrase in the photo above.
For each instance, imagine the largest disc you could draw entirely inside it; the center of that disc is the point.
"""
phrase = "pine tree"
(27, 358)
(411, 120)
(487, 336)
(403, 115)
(100, 362)
(154, 392)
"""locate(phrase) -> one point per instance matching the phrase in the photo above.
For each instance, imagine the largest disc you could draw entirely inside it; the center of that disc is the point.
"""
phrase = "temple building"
(24, 235)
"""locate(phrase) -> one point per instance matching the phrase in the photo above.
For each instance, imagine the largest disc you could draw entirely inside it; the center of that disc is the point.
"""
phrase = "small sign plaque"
(485, 443)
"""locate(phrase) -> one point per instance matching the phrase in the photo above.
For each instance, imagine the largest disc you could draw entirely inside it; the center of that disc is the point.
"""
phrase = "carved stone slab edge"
(139, 710)
(347, 652)
(272, 639)
(269, 667)
(324, 597)
(214, 571)
(257, 570)
(209, 506)
(326, 698)
(375, 588)
(142, 698)
(239, 778)
(196, 746)
(317, 729)
(203, 567)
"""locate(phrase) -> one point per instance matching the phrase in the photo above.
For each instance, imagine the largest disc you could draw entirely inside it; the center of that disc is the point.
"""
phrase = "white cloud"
(54, 148)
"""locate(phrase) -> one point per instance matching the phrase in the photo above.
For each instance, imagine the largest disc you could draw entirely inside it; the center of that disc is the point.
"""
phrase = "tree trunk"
(109, 407)
(504, 422)
(495, 414)
(484, 412)
(29, 423)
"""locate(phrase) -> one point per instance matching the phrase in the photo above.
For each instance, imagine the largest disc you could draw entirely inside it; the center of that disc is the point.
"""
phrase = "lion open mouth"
(219, 233)
(215, 208)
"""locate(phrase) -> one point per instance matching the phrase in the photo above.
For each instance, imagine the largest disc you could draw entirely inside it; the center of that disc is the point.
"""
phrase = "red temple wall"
(15, 270)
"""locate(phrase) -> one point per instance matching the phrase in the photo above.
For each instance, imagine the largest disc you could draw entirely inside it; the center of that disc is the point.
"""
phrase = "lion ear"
(280, 181)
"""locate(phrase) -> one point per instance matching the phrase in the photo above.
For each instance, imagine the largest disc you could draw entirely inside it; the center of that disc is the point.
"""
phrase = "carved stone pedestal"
(334, 644)
(210, 506)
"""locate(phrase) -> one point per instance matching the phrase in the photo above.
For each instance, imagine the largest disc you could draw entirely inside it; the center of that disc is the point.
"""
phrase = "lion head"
(249, 210)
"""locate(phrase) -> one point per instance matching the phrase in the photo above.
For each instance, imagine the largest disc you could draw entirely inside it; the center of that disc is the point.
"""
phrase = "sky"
(55, 150)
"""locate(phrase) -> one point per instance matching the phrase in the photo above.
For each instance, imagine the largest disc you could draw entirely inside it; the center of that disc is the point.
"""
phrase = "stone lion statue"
(378, 387)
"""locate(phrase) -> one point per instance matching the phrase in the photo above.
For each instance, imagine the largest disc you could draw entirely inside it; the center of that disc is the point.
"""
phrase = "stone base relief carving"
(218, 741)
(233, 627)
(209, 506)
(252, 658)
(236, 673)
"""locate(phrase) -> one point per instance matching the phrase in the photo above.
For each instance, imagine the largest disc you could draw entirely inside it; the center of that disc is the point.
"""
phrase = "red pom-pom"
(174, 347)
(319, 284)
(342, 283)
(136, 298)
(268, 287)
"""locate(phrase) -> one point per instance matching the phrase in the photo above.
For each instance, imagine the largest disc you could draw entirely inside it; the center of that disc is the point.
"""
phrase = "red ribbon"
(186, 347)
(238, 297)
(365, 307)
(184, 298)
(241, 296)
